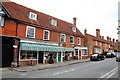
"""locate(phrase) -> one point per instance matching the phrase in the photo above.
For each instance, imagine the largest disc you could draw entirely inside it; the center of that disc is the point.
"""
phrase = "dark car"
(118, 57)
(97, 57)
(110, 55)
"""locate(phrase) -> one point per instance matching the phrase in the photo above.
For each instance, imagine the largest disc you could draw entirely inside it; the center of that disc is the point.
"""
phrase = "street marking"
(23, 74)
(108, 73)
(66, 71)
(111, 75)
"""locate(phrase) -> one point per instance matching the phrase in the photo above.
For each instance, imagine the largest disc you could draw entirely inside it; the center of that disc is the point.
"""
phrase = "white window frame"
(83, 53)
(109, 45)
(26, 58)
(79, 41)
(48, 35)
(96, 43)
(32, 15)
(2, 21)
(53, 22)
(100, 43)
(27, 31)
(105, 45)
(90, 51)
(64, 37)
(73, 39)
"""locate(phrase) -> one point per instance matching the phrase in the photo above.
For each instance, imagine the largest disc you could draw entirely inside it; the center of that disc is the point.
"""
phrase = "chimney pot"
(98, 33)
(102, 37)
(85, 31)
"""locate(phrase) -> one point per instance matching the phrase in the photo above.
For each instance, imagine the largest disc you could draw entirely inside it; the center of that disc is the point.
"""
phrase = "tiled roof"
(98, 39)
(20, 12)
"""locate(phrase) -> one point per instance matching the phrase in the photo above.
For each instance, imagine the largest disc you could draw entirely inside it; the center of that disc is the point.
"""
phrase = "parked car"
(110, 55)
(97, 57)
(118, 57)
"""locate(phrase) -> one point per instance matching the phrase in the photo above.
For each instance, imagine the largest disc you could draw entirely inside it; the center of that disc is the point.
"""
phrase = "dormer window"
(53, 22)
(74, 29)
(33, 16)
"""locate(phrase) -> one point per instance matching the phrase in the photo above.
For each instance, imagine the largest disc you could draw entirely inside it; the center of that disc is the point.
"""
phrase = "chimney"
(113, 40)
(74, 21)
(98, 33)
(85, 31)
(110, 39)
(102, 37)
(107, 38)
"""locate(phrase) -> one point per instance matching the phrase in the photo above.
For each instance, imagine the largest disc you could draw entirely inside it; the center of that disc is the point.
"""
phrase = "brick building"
(97, 44)
(32, 37)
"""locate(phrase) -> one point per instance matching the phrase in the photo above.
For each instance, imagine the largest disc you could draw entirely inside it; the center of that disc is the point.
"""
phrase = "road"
(107, 68)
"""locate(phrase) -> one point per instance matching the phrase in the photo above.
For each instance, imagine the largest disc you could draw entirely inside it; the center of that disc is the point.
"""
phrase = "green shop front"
(40, 52)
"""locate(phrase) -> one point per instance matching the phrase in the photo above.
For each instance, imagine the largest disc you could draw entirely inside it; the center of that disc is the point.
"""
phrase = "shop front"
(39, 52)
(80, 53)
(68, 54)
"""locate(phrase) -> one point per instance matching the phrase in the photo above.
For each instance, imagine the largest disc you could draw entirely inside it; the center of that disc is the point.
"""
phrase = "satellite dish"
(0, 7)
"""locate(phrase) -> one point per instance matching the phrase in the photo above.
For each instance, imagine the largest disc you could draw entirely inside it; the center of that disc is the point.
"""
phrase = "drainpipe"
(16, 49)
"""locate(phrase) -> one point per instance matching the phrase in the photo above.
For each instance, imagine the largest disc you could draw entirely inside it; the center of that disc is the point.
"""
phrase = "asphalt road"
(107, 68)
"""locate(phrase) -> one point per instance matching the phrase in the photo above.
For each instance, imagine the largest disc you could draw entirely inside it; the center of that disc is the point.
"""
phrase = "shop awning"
(69, 49)
(38, 47)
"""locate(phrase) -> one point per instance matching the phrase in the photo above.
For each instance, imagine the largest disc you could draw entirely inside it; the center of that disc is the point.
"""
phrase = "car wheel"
(98, 59)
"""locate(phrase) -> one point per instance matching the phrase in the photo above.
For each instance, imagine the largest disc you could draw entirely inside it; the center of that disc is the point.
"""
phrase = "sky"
(90, 14)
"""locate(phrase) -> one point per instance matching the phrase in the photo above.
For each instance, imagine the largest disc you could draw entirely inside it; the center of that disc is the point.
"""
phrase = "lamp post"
(118, 43)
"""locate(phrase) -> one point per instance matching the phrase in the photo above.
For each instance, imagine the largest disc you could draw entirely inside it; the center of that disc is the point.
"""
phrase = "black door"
(40, 58)
(7, 51)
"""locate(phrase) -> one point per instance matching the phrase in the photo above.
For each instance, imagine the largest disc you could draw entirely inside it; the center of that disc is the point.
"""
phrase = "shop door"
(59, 57)
(7, 51)
(40, 58)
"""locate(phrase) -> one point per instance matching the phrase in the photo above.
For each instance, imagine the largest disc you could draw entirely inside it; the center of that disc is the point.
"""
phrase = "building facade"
(30, 37)
(97, 44)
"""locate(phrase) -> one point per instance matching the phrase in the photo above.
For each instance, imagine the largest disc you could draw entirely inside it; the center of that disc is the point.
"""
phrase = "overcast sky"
(90, 14)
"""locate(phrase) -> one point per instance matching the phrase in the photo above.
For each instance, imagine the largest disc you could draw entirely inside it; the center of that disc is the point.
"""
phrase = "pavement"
(43, 66)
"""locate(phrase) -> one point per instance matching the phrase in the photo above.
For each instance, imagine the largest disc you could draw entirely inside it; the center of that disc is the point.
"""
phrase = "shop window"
(54, 55)
(26, 55)
(30, 32)
(76, 52)
(46, 35)
(85, 52)
(71, 40)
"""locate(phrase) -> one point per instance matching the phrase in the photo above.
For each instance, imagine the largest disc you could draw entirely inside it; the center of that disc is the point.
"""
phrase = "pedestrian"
(51, 60)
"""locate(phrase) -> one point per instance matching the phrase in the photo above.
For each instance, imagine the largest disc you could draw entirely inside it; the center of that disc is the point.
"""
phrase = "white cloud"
(91, 14)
